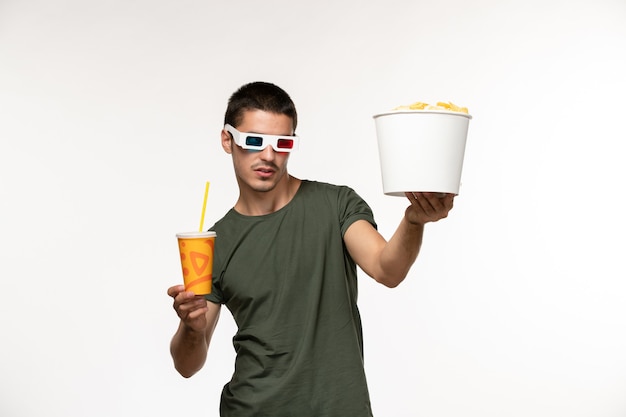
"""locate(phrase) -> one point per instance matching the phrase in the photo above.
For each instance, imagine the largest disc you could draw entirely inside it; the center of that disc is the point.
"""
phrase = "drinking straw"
(206, 194)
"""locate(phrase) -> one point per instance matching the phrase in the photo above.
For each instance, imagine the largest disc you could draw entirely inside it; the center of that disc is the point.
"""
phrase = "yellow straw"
(206, 194)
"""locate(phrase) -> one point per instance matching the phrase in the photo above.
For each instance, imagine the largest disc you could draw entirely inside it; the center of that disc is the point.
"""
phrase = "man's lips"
(264, 170)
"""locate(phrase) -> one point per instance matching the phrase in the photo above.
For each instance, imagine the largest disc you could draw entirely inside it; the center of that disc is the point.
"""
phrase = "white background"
(110, 113)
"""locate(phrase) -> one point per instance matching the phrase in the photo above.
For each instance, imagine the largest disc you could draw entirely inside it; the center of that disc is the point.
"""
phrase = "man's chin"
(263, 186)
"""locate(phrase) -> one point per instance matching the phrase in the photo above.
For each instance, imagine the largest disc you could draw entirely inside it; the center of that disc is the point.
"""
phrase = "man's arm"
(190, 343)
(389, 262)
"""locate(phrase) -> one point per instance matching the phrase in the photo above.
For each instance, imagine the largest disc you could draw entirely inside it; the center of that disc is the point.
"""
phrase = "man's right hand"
(190, 308)
(198, 319)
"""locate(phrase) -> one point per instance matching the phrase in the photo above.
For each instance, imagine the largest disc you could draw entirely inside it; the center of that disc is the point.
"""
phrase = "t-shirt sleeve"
(352, 208)
(216, 296)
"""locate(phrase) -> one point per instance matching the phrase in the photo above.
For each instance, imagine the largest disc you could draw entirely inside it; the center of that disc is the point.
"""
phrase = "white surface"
(110, 113)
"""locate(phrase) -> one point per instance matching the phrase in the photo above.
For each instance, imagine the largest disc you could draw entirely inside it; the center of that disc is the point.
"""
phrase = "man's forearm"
(401, 252)
(189, 350)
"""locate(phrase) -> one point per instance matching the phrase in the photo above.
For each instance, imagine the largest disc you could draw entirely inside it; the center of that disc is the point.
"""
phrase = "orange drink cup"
(196, 258)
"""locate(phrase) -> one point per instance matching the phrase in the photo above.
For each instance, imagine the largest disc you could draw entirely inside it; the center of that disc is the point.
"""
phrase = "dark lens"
(285, 143)
(254, 141)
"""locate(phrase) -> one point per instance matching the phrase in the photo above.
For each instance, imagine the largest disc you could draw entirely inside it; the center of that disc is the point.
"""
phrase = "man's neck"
(259, 203)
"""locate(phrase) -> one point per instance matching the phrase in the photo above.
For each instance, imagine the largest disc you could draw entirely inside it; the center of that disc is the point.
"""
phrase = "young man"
(285, 266)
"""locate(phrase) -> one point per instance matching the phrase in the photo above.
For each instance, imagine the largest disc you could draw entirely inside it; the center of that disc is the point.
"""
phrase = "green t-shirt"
(291, 286)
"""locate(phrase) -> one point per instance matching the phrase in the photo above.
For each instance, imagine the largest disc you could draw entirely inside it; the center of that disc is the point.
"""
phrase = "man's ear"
(227, 142)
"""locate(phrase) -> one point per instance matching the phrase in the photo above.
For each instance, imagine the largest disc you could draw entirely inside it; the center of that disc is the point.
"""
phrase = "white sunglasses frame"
(268, 140)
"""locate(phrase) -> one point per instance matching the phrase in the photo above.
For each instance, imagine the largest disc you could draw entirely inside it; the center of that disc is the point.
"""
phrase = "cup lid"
(192, 235)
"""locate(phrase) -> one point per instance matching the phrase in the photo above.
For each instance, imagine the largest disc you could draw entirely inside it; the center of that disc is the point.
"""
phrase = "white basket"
(421, 150)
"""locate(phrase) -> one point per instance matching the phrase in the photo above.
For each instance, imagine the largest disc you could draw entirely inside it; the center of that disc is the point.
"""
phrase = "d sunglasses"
(258, 141)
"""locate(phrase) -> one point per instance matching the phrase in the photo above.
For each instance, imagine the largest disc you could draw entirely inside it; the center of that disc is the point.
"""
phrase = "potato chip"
(453, 107)
(418, 106)
(441, 105)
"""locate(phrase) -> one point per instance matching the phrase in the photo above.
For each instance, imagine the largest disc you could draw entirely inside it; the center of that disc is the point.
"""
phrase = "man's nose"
(268, 154)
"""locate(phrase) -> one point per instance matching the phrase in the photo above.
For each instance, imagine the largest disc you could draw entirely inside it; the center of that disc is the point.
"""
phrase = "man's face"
(259, 170)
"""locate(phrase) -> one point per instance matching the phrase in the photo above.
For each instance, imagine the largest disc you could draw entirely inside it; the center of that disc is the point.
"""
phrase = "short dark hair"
(259, 95)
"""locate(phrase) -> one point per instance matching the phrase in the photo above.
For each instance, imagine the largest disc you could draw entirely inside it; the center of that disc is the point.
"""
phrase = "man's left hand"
(428, 207)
